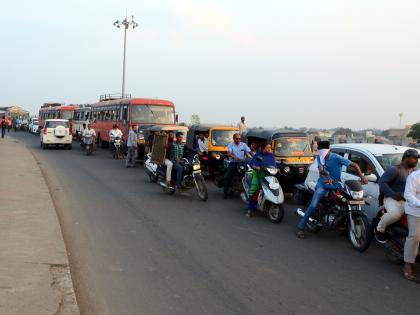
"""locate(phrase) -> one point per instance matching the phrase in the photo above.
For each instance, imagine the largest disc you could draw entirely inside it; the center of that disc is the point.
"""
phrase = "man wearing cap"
(412, 209)
(392, 186)
(329, 166)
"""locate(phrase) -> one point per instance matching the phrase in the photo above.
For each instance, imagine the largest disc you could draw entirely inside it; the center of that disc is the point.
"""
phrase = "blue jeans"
(3, 131)
(316, 198)
(179, 172)
(230, 172)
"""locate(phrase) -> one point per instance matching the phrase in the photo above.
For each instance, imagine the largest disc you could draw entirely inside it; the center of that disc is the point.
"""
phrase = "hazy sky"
(301, 63)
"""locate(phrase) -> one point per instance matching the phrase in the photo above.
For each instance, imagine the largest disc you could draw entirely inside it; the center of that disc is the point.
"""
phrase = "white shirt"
(90, 131)
(203, 146)
(242, 127)
(412, 194)
(113, 133)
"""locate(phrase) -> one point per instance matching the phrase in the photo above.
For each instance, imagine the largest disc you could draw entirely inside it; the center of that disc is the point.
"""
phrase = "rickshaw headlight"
(286, 169)
(196, 167)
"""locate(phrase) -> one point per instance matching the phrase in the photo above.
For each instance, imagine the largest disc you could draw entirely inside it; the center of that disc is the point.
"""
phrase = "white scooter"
(270, 197)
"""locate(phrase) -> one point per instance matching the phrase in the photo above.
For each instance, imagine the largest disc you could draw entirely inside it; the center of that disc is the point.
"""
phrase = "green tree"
(343, 132)
(415, 131)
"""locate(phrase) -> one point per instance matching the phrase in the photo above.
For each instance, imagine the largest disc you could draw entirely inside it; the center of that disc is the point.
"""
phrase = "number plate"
(356, 202)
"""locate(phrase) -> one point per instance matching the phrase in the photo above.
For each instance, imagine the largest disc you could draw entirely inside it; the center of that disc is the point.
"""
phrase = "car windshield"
(67, 114)
(293, 146)
(222, 137)
(152, 114)
(55, 123)
(388, 160)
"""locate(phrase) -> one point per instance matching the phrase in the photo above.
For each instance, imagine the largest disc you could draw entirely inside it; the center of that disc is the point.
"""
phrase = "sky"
(300, 63)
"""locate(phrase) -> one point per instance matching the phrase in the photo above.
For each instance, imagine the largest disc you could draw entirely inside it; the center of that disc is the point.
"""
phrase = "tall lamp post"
(126, 24)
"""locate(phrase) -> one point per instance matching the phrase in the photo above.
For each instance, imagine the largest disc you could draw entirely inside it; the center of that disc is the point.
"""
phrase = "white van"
(56, 132)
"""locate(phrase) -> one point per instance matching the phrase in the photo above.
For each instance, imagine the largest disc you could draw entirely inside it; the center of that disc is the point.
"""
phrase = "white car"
(33, 126)
(56, 132)
(373, 159)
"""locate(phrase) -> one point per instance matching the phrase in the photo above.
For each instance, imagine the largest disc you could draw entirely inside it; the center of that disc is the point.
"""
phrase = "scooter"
(269, 199)
(117, 154)
(192, 177)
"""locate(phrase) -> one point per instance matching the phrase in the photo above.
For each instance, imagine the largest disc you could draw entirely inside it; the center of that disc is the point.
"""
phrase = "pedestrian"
(3, 125)
(412, 209)
(242, 126)
(131, 147)
(9, 124)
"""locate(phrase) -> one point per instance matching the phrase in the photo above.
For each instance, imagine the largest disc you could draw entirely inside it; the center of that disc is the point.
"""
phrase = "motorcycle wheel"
(393, 254)
(275, 213)
(201, 189)
(362, 236)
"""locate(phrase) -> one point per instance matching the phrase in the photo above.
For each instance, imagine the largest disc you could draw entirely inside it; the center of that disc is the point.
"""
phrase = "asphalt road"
(135, 250)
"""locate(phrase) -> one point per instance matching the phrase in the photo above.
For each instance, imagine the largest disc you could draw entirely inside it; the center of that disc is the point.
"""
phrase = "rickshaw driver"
(237, 150)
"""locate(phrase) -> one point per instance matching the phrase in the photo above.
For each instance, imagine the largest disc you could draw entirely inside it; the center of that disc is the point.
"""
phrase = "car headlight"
(272, 171)
(357, 195)
(196, 167)
(286, 169)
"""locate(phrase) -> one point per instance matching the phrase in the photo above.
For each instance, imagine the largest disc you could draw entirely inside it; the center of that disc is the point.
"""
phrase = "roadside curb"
(34, 274)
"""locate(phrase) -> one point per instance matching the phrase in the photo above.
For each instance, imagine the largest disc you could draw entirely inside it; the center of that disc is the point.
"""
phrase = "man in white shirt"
(242, 126)
(412, 209)
(203, 144)
(115, 132)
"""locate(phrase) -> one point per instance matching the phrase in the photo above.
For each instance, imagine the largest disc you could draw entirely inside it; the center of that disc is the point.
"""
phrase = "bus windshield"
(67, 114)
(152, 114)
(293, 146)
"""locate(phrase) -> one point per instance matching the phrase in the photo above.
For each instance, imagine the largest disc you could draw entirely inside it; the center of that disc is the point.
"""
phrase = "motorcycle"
(236, 184)
(117, 148)
(341, 209)
(395, 234)
(192, 177)
(269, 199)
(88, 144)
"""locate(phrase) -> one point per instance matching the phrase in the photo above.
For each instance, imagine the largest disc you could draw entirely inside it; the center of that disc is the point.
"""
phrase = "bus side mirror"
(176, 118)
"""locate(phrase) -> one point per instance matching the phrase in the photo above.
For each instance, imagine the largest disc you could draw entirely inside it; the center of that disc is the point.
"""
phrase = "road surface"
(135, 250)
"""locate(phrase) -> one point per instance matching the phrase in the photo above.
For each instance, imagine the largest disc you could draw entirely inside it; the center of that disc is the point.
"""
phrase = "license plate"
(356, 202)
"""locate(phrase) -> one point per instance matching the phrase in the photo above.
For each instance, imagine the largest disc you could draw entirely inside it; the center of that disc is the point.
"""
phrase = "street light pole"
(126, 24)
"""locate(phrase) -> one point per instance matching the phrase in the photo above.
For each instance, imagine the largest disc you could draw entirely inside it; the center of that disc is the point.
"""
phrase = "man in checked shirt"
(176, 156)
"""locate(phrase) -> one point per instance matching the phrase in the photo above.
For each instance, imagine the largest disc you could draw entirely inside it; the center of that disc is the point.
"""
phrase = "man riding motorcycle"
(114, 133)
(177, 153)
(263, 158)
(392, 186)
(329, 166)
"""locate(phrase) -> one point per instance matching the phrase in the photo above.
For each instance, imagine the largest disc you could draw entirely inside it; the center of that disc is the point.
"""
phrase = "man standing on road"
(176, 156)
(329, 166)
(3, 126)
(242, 126)
(237, 151)
(131, 147)
(392, 186)
(412, 209)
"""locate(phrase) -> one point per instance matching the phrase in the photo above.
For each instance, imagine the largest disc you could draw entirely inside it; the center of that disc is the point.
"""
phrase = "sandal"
(409, 276)
(300, 234)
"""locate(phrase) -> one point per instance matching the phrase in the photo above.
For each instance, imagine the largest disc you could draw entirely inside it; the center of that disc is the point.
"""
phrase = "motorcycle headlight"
(272, 171)
(286, 169)
(196, 167)
(357, 195)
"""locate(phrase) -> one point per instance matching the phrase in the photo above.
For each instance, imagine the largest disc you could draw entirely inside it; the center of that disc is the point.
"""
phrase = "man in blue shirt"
(237, 151)
(329, 165)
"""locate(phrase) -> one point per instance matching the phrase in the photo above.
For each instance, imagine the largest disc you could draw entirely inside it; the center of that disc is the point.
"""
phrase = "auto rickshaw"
(292, 151)
(219, 136)
(145, 136)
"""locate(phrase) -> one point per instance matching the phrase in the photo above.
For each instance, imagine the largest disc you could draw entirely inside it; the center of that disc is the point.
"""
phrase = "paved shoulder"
(34, 269)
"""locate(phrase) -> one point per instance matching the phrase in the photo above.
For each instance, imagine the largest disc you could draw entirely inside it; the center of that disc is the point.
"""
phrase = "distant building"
(398, 136)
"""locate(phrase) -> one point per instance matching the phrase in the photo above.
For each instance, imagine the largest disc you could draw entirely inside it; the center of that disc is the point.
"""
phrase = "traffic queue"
(262, 165)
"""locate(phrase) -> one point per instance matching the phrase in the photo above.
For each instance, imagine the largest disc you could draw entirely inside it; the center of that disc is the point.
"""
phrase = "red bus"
(129, 111)
(56, 111)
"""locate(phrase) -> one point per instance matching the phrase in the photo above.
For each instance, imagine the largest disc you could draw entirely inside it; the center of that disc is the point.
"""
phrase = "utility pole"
(126, 24)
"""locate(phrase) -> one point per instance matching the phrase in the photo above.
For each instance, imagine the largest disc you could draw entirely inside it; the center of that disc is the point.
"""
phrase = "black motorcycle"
(341, 209)
(192, 177)
(395, 234)
(236, 184)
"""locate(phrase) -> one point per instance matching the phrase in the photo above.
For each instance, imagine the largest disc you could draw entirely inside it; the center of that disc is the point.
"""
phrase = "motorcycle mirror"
(371, 178)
